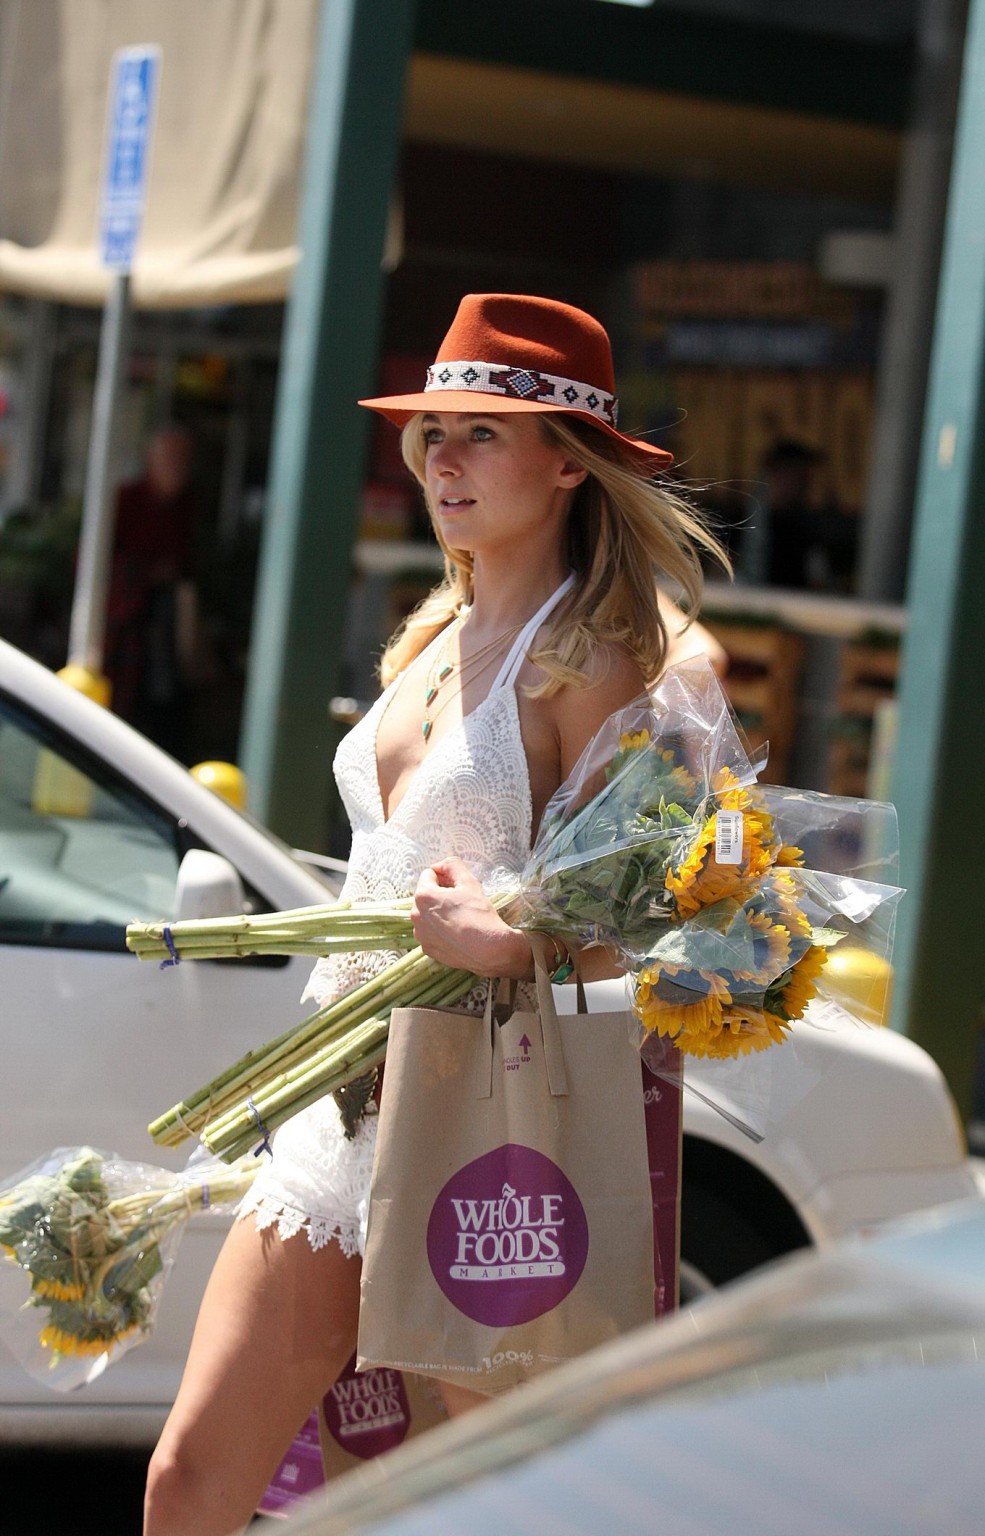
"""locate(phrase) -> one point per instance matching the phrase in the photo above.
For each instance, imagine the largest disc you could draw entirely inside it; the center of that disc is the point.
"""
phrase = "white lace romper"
(470, 797)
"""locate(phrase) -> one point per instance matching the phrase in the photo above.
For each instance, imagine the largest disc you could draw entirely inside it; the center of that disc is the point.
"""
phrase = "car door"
(94, 1042)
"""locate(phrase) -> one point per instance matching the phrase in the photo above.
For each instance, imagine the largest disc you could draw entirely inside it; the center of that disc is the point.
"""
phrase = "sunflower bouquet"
(664, 847)
(95, 1236)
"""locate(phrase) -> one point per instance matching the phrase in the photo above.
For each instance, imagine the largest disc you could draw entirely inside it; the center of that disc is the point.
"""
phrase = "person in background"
(809, 544)
(152, 611)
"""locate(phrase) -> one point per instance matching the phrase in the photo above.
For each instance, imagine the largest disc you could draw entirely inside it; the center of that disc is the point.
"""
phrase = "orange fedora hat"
(511, 352)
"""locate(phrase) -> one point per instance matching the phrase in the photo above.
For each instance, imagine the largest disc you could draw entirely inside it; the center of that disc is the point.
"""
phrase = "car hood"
(806, 1337)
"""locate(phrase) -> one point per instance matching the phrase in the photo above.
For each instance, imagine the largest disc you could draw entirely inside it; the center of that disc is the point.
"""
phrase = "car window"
(81, 853)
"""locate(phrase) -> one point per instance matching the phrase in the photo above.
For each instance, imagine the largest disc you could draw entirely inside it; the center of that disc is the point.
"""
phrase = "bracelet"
(563, 963)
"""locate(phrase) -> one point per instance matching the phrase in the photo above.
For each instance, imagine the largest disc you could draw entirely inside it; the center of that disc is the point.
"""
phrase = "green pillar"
(328, 360)
(939, 776)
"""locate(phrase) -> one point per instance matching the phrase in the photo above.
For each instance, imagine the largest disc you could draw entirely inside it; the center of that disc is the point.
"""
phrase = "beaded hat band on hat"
(520, 353)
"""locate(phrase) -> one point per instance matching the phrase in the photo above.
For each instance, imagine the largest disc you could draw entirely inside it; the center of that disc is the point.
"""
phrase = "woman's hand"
(456, 924)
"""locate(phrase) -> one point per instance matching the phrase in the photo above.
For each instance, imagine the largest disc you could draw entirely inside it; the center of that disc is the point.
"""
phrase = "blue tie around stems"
(169, 941)
(265, 1143)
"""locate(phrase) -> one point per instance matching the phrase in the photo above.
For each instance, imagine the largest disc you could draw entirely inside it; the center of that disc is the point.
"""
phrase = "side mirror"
(207, 886)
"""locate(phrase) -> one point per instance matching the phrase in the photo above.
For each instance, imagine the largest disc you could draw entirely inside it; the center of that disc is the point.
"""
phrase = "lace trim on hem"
(320, 1230)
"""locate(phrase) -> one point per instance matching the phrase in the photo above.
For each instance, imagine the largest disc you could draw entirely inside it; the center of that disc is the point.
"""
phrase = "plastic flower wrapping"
(736, 908)
(95, 1236)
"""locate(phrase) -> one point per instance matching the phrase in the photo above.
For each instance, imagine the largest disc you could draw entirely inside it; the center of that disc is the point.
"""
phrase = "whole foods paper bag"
(511, 1223)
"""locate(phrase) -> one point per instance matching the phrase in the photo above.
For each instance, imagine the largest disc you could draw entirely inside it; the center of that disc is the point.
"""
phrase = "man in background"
(809, 544)
(152, 614)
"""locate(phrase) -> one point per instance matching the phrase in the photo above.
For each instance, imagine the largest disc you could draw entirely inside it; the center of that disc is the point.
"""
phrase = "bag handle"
(505, 991)
(557, 1076)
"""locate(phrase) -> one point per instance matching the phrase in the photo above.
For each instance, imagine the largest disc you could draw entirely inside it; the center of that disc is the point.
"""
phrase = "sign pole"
(88, 624)
(133, 96)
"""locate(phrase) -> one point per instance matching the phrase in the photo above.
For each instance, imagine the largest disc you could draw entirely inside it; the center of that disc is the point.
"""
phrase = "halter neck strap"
(507, 674)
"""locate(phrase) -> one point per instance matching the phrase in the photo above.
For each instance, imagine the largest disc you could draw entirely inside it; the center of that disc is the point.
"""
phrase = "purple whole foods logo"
(507, 1237)
(367, 1412)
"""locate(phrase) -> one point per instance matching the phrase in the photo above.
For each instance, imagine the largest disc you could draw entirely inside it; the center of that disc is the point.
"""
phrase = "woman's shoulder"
(610, 669)
(612, 679)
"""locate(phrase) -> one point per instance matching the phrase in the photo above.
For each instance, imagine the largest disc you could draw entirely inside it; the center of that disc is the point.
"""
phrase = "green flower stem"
(394, 935)
(281, 1097)
(235, 1142)
(397, 984)
(162, 1209)
(401, 983)
(361, 925)
(361, 1050)
(234, 949)
(356, 1005)
(319, 930)
(280, 1089)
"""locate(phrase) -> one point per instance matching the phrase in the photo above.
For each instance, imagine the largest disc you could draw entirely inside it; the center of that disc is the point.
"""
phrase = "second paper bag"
(511, 1221)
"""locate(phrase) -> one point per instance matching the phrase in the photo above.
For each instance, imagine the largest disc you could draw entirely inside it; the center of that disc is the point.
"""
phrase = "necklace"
(442, 669)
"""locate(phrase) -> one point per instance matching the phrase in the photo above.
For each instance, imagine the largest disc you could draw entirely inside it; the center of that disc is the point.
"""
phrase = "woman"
(547, 621)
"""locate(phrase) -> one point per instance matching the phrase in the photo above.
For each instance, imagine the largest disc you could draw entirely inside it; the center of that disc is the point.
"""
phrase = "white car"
(98, 827)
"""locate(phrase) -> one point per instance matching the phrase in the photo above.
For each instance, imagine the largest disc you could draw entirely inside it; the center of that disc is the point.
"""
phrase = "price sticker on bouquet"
(728, 837)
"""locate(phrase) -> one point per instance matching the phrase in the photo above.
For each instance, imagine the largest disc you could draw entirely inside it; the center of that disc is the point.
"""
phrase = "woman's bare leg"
(276, 1327)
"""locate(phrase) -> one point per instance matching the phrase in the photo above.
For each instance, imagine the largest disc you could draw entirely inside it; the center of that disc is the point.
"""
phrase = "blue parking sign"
(133, 96)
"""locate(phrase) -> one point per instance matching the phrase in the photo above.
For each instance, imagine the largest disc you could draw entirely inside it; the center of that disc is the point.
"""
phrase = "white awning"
(221, 211)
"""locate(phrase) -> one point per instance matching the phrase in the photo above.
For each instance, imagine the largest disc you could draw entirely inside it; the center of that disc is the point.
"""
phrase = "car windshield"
(328, 870)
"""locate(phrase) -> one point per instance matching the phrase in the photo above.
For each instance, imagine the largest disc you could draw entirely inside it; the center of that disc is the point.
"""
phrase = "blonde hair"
(622, 527)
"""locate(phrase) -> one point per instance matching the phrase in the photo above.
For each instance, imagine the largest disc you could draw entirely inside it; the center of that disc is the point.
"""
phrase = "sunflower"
(757, 846)
(634, 741)
(783, 888)
(724, 780)
(798, 986)
(675, 1001)
(771, 948)
(681, 784)
(687, 883)
(57, 1290)
(699, 880)
(745, 1029)
(61, 1342)
(758, 823)
(758, 839)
